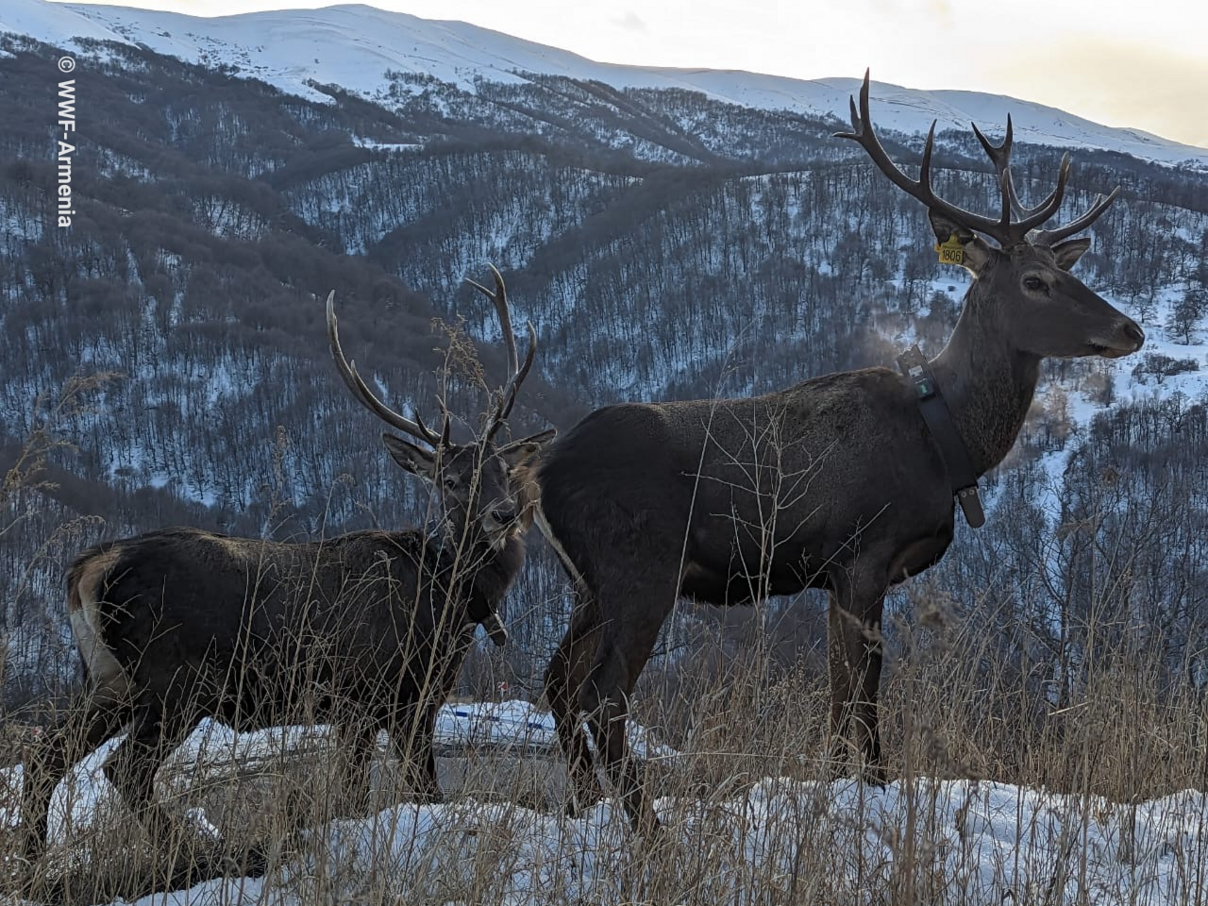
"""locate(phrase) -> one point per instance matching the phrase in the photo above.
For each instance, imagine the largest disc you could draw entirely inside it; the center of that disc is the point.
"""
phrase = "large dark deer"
(835, 483)
(366, 631)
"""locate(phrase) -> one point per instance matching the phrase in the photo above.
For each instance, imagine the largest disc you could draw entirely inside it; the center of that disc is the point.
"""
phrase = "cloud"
(631, 21)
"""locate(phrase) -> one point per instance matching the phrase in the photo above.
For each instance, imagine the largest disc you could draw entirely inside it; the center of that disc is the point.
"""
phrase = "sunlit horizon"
(1120, 69)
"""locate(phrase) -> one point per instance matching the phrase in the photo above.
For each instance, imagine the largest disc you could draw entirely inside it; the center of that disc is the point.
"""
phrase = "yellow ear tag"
(951, 251)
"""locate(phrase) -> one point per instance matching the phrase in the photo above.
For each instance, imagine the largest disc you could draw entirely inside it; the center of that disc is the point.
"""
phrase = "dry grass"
(950, 710)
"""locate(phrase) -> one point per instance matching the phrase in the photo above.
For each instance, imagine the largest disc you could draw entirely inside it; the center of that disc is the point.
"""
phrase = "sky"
(1143, 65)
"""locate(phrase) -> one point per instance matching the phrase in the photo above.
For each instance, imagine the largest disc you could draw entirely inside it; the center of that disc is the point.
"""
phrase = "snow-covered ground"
(354, 46)
(993, 843)
(981, 842)
(213, 747)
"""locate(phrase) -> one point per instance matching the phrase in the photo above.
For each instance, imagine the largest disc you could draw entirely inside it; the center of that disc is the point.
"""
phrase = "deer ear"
(977, 253)
(519, 452)
(1068, 253)
(414, 459)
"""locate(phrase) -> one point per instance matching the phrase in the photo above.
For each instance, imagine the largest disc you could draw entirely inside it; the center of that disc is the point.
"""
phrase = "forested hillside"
(664, 245)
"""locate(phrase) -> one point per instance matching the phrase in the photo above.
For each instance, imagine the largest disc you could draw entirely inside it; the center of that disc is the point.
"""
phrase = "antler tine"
(442, 440)
(362, 393)
(506, 397)
(499, 298)
(863, 133)
(1101, 204)
(1000, 156)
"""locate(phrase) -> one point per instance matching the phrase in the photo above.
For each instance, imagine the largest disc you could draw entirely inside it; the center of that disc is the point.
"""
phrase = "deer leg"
(153, 734)
(427, 784)
(88, 723)
(605, 694)
(358, 743)
(413, 739)
(563, 679)
(198, 853)
(839, 673)
(855, 657)
(864, 644)
(604, 698)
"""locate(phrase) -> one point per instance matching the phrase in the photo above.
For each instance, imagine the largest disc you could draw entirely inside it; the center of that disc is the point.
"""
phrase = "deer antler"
(506, 397)
(1001, 157)
(365, 397)
(1100, 204)
(1004, 230)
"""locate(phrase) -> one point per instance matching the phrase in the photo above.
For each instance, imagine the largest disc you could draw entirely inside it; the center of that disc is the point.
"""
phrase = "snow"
(990, 842)
(987, 841)
(50, 22)
(372, 145)
(214, 746)
(354, 46)
(519, 723)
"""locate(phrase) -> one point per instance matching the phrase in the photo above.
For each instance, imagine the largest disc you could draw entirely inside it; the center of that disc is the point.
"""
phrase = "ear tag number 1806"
(951, 251)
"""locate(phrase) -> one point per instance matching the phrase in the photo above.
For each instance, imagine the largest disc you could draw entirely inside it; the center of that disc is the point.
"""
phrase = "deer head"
(479, 494)
(1025, 292)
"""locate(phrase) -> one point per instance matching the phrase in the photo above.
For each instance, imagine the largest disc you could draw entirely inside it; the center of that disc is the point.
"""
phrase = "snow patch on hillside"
(1133, 382)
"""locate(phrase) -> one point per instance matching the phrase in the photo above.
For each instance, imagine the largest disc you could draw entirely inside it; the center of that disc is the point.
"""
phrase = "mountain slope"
(356, 46)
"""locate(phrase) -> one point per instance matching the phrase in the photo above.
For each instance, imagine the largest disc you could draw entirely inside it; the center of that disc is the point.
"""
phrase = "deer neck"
(489, 570)
(987, 382)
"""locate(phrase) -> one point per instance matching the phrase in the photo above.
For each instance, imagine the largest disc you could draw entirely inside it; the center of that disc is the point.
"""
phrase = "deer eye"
(450, 483)
(1036, 285)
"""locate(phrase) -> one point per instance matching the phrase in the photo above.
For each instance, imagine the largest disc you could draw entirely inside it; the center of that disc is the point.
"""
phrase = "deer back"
(262, 627)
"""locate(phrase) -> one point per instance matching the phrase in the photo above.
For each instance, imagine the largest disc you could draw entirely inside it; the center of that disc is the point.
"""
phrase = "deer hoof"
(580, 802)
(429, 796)
(874, 774)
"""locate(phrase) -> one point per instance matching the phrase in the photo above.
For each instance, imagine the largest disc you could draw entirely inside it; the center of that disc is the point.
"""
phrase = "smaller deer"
(366, 631)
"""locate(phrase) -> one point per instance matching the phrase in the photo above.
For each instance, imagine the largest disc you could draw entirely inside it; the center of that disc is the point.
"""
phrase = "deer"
(366, 630)
(834, 483)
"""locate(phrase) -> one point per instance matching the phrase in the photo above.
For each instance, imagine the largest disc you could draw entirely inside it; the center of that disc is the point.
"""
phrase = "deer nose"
(502, 514)
(1134, 332)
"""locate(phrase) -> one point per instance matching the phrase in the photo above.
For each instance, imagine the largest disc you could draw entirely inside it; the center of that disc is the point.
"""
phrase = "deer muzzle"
(1128, 339)
(495, 630)
(498, 523)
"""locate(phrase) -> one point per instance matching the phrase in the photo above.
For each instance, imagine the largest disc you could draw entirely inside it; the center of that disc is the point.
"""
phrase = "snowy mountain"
(357, 48)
